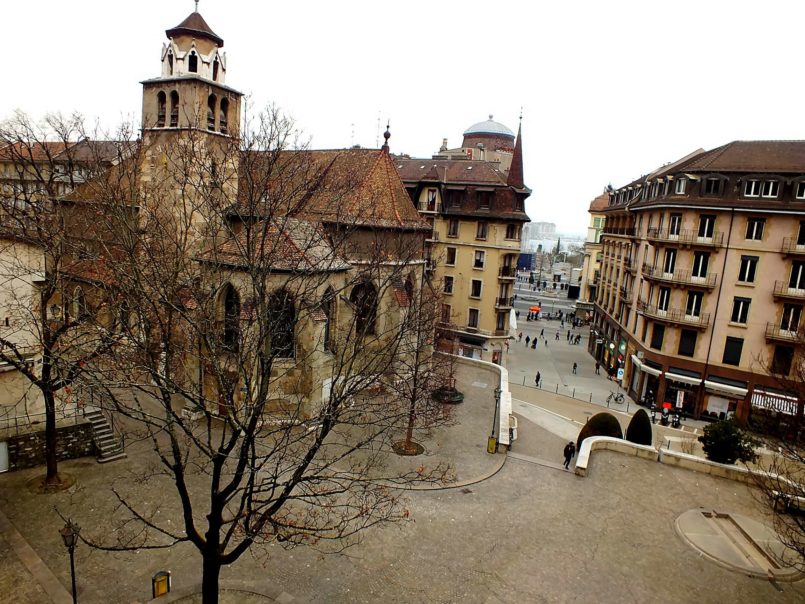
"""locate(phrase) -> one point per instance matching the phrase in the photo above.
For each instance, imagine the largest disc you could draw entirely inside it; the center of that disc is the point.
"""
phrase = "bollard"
(591, 397)
(574, 393)
(523, 380)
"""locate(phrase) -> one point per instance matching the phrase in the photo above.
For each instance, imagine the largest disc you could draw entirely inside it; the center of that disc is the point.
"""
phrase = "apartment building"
(474, 199)
(591, 266)
(703, 283)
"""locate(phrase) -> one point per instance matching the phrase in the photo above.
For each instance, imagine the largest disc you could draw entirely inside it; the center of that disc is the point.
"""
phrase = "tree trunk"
(209, 581)
(52, 476)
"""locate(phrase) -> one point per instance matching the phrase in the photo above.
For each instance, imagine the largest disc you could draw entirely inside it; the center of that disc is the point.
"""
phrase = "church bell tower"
(191, 93)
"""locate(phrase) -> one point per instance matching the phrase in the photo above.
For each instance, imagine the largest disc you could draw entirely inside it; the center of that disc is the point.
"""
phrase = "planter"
(445, 394)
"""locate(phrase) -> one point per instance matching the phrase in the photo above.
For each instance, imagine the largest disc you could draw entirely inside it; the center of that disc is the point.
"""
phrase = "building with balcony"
(702, 283)
(474, 199)
(591, 267)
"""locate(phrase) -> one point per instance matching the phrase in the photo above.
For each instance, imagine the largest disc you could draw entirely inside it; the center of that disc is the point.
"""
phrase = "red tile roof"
(195, 25)
(753, 156)
(473, 172)
(600, 203)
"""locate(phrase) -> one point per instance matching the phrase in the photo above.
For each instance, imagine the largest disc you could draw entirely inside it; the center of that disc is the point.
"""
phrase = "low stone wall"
(499, 377)
(691, 462)
(28, 450)
(610, 443)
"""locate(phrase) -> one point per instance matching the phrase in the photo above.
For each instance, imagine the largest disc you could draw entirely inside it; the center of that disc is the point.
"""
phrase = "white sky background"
(609, 90)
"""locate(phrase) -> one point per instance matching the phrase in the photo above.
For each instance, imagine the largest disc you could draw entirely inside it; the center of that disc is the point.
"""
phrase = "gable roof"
(753, 156)
(454, 171)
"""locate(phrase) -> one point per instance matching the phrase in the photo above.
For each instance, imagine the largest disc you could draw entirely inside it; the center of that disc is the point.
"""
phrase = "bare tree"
(49, 292)
(782, 485)
(260, 285)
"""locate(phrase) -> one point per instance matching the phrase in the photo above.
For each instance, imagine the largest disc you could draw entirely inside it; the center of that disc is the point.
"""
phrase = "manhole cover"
(737, 542)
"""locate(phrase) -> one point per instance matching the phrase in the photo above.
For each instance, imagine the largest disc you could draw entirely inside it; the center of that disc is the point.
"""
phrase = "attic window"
(192, 64)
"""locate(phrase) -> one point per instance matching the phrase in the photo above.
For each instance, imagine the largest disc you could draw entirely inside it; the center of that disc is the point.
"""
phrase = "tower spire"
(196, 6)
(516, 169)
(387, 136)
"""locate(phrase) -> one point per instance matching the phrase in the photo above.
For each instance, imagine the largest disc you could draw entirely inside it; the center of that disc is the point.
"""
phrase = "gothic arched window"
(174, 109)
(161, 101)
(215, 70)
(364, 300)
(282, 325)
(192, 62)
(170, 63)
(223, 122)
(211, 102)
(231, 332)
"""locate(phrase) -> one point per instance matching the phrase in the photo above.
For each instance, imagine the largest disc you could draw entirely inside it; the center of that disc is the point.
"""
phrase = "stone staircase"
(109, 442)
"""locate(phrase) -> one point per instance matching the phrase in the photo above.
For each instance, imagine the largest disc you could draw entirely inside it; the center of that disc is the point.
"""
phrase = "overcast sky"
(609, 90)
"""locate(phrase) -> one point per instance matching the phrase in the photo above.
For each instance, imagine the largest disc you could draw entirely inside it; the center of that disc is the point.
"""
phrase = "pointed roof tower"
(195, 26)
(516, 170)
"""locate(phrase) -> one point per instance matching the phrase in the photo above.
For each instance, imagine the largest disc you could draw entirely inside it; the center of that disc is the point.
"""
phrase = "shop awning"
(684, 379)
(724, 386)
(644, 367)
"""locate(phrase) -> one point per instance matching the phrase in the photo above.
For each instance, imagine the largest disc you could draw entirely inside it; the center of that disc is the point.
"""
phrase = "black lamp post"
(69, 535)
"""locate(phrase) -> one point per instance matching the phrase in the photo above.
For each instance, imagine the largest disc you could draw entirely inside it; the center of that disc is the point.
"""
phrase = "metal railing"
(782, 289)
(504, 302)
(674, 316)
(684, 277)
(775, 332)
(685, 237)
(790, 246)
(13, 424)
(508, 271)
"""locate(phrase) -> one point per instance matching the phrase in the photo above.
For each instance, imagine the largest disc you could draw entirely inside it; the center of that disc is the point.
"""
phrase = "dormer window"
(752, 188)
(800, 192)
(771, 189)
(666, 188)
(713, 185)
(192, 62)
(680, 186)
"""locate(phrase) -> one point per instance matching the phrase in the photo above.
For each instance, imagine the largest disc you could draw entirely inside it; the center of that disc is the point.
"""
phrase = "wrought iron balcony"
(507, 272)
(685, 238)
(674, 316)
(775, 332)
(791, 248)
(504, 302)
(782, 290)
(679, 277)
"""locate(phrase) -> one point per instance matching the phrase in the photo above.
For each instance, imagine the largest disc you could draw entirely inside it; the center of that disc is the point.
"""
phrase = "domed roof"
(490, 126)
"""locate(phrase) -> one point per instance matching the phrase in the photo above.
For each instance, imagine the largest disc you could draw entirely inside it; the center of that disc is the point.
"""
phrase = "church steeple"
(515, 178)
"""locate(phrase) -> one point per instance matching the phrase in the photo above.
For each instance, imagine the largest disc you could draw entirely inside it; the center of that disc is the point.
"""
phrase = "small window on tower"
(215, 70)
(223, 124)
(192, 63)
(174, 109)
(211, 102)
(170, 63)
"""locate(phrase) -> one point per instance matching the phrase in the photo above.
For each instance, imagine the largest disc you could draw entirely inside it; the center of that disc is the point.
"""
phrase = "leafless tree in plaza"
(47, 278)
(260, 287)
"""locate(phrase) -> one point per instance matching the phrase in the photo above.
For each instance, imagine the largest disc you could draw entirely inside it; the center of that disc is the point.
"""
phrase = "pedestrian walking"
(534, 343)
(575, 367)
(597, 368)
(568, 335)
(578, 338)
(520, 337)
(542, 333)
(507, 346)
(557, 335)
(527, 340)
(537, 378)
(570, 452)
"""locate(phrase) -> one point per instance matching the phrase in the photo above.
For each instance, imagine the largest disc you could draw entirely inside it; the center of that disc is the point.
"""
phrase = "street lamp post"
(69, 534)
(492, 442)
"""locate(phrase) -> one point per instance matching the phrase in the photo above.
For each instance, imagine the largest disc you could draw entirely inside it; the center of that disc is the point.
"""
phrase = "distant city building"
(703, 283)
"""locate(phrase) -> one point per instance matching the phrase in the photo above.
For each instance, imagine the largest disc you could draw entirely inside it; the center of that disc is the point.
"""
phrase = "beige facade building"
(703, 283)
(593, 254)
(474, 199)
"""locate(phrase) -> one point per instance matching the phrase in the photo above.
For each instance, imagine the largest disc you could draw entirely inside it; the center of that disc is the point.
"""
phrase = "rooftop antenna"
(377, 135)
